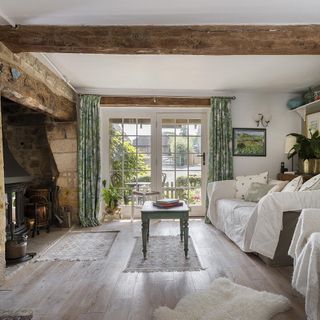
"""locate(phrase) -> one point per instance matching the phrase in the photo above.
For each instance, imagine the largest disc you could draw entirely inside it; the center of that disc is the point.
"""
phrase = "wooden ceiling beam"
(109, 101)
(192, 40)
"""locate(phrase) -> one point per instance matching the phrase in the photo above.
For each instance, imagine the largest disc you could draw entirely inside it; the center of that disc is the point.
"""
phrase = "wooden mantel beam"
(192, 40)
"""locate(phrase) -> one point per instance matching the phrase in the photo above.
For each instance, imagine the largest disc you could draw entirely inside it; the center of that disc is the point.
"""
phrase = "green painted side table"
(149, 211)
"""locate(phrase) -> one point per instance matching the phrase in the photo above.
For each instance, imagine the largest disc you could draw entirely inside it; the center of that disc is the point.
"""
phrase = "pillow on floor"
(243, 183)
(257, 191)
(293, 185)
(311, 184)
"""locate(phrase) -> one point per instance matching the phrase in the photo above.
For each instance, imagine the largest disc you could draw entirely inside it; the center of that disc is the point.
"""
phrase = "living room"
(107, 108)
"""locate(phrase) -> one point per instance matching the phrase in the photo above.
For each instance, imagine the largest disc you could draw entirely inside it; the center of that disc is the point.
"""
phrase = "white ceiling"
(161, 11)
(186, 75)
(174, 74)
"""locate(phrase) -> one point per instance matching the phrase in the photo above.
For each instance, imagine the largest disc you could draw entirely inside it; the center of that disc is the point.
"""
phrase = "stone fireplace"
(40, 130)
(46, 150)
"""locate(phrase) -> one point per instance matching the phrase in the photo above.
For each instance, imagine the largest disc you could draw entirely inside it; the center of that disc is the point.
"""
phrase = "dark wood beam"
(154, 101)
(193, 40)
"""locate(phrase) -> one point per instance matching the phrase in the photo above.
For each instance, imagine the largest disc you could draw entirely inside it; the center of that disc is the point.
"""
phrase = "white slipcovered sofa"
(256, 227)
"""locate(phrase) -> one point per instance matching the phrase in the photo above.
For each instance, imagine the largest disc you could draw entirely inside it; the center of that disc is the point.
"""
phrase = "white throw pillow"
(293, 185)
(243, 183)
(311, 184)
(278, 185)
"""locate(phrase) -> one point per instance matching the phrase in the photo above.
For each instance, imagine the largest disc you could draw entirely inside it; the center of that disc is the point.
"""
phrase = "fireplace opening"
(30, 176)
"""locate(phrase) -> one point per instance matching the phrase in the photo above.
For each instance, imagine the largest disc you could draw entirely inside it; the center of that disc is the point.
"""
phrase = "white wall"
(283, 122)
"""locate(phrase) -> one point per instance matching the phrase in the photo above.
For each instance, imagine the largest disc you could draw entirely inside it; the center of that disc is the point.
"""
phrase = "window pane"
(168, 161)
(182, 179)
(195, 145)
(194, 127)
(144, 144)
(168, 127)
(195, 161)
(144, 162)
(129, 127)
(195, 196)
(168, 145)
(144, 127)
(116, 125)
(195, 179)
(182, 127)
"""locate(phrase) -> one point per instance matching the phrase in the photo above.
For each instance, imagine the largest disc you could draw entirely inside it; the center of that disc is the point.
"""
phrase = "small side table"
(149, 211)
(288, 177)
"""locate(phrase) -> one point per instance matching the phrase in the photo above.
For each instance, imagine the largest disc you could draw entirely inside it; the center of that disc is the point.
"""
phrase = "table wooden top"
(149, 207)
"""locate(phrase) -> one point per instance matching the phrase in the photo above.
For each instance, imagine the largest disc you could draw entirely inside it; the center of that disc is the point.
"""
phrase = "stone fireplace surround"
(46, 149)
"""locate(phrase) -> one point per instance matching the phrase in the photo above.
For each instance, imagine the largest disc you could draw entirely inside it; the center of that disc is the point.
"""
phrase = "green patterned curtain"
(89, 160)
(220, 139)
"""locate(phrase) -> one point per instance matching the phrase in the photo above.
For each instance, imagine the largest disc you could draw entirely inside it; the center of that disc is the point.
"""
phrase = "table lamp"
(290, 142)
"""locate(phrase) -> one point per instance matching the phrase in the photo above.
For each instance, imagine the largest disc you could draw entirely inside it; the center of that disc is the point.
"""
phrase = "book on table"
(167, 203)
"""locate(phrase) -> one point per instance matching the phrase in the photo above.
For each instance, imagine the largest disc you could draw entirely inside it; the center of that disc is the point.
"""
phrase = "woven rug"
(80, 246)
(164, 253)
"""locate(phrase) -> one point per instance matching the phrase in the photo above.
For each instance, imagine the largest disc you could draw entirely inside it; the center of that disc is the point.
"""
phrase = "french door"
(163, 151)
(181, 155)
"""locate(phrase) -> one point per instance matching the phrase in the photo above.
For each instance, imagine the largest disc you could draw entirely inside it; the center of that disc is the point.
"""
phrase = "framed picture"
(249, 142)
(312, 123)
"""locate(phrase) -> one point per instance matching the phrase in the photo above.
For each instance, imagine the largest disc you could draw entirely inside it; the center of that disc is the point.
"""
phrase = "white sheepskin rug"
(225, 300)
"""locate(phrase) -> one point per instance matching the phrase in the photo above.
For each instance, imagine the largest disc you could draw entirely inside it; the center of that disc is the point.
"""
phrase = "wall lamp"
(262, 120)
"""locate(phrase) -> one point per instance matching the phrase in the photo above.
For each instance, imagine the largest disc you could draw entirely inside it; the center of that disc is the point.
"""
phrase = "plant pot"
(309, 166)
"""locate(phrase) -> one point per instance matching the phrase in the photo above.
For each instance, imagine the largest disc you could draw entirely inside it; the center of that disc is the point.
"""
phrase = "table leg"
(144, 231)
(186, 236)
(148, 229)
(181, 229)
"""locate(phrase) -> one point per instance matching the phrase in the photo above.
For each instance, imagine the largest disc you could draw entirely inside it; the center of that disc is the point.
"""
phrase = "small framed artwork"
(249, 142)
(312, 123)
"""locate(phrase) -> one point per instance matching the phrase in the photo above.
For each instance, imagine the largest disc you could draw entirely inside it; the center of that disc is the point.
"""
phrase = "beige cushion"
(278, 185)
(257, 191)
(293, 185)
(311, 184)
(243, 183)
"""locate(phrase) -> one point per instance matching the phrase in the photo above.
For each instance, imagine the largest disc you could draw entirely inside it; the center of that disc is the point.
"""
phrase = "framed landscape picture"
(313, 123)
(249, 142)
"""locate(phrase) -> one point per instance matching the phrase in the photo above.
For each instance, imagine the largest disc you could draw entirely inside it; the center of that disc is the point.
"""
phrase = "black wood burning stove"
(16, 182)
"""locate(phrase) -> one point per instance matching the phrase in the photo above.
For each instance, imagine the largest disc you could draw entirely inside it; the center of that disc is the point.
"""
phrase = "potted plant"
(308, 151)
(111, 198)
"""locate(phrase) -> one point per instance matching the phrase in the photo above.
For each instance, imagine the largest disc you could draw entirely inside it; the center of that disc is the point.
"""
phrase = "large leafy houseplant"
(308, 151)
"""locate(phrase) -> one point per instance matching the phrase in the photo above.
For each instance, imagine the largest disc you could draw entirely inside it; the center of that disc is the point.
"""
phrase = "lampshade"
(290, 142)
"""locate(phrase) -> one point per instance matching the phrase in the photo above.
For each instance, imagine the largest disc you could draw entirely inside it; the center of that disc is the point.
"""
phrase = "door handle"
(203, 156)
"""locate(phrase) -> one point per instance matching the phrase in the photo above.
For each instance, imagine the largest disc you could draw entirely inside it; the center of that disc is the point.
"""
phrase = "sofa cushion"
(311, 184)
(257, 191)
(278, 185)
(243, 183)
(293, 185)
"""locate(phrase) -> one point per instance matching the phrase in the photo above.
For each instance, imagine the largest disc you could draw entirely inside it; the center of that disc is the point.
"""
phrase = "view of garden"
(130, 158)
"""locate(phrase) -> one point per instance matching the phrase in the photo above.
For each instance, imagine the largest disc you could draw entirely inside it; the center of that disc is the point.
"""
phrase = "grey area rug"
(164, 254)
(80, 246)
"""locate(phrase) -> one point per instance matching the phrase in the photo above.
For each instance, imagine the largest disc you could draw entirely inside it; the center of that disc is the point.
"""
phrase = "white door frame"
(196, 210)
(153, 113)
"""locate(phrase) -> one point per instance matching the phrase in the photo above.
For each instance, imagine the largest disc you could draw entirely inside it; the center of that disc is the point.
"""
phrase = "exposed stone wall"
(2, 212)
(62, 138)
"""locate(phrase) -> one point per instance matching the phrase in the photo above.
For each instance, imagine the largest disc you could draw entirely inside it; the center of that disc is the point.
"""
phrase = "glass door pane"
(130, 155)
(181, 160)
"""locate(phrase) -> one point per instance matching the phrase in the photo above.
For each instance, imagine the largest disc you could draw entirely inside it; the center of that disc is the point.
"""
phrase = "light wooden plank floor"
(99, 290)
